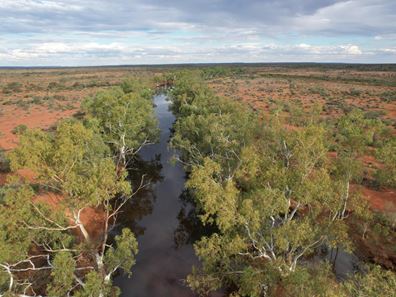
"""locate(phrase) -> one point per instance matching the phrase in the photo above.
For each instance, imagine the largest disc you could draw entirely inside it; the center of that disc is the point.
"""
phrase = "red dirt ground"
(39, 117)
(384, 201)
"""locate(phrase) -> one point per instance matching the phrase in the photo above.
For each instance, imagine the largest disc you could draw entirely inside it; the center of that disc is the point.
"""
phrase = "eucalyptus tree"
(386, 175)
(49, 248)
(373, 281)
(125, 117)
(277, 208)
(208, 125)
(353, 135)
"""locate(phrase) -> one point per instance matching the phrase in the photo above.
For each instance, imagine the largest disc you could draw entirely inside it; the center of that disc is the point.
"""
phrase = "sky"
(120, 32)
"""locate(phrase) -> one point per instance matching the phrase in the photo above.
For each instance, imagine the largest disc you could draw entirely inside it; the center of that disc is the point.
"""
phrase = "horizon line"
(195, 64)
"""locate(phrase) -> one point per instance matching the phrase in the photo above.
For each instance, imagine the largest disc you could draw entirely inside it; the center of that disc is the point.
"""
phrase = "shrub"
(20, 129)
(354, 92)
(4, 162)
(318, 90)
(53, 85)
(386, 176)
(12, 87)
(388, 96)
(374, 114)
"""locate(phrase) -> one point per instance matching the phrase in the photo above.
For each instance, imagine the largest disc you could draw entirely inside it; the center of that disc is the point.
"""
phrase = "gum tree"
(386, 175)
(353, 135)
(41, 239)
(279, 206)
(125, 118)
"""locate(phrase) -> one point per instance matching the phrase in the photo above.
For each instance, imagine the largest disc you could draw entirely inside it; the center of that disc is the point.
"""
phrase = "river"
(158, 216)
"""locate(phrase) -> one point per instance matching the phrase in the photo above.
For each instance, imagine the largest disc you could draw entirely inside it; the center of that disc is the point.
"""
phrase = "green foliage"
(319, 90)
(386, 176)
(125, 118)
(12, 87)
(388, 96)
(133, 85)
(15, 241)
(4, 162)
(375, 282)
(374, 114)
(298, 116)
(62, 275)
(73, 160)
(213, 72)
(272, 192)
(354, 133)
(185, 89)
(221, 71)
(123, 255)
(208, 125)
(262, 212)
(20, 129)
(354, 92)
(94, 286)
(313, 281)
(75, 163)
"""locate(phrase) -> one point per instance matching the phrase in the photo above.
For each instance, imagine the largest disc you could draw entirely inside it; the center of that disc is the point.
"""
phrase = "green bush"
(4, 162)
(374, 114)
(355, 92)
(386, 176)
(20, 129)
(388, 96)
(12, 87)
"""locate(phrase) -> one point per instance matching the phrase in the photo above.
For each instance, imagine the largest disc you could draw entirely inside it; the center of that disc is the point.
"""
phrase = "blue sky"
(112, 32)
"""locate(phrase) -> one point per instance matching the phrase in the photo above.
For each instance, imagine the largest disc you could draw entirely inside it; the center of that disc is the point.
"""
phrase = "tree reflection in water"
(142, 202)
(190, 228)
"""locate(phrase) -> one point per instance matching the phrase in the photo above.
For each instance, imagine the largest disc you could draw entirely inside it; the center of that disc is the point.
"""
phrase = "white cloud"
(40, 5)
(78, 32)
(91, 53)
(352, 50)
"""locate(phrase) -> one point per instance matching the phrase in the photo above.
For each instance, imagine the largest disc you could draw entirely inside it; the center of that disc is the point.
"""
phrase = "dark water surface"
(157, 215)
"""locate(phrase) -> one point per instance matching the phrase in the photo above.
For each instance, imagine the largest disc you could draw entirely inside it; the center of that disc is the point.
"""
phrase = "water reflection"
(190, 228)
(344, 264)
(153, 215)
(142, 202)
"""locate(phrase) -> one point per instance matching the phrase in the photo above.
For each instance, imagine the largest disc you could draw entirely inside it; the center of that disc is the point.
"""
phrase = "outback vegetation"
(287, 167)
(49, 245)
(274, 194)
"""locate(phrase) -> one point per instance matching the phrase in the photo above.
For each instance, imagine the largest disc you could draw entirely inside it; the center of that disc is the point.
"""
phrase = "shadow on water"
(156, 214)
(344, 264)
(142, 202)
(190, 228)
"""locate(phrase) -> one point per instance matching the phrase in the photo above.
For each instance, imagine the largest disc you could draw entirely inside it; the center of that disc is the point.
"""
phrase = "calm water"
(158, 215)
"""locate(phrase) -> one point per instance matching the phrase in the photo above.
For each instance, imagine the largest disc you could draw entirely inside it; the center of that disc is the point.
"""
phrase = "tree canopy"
(275, 194)
(49, 244)
(124, 116)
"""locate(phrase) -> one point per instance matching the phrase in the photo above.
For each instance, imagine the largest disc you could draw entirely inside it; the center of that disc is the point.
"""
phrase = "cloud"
(129, 31)
(360, 17)
(330, 16)
(92, 53)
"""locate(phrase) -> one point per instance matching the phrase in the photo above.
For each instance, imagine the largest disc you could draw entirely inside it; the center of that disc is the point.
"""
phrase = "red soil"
(92, 218)
(384, 201)
(37, 117)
